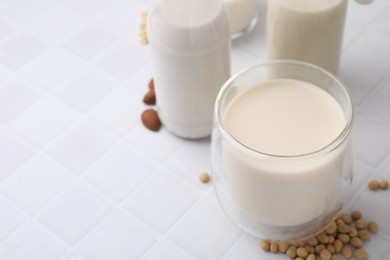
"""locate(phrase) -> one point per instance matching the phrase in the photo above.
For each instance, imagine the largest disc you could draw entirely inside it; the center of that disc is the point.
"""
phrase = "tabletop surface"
(81, 178)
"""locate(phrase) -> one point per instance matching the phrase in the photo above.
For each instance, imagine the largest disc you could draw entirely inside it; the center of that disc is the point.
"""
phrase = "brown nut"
(151, 120)
(353, 232)
(150, 97)
(205, 178)
(373, 185)
(283, 246)
(265, 245)
(372, 226)
(312, 241)
(332, 228)
(384, 184)
(302, 252)
(360, 254)
(360, 224)
(364, 234)
(356, 242)
(274, 247)
(151, 84)
(292, 252)
(330, 247)
(344, 238)
(346, 252)
(338, 245)
(325, 254)
(343, 228)
(346, 218)
(356, 215)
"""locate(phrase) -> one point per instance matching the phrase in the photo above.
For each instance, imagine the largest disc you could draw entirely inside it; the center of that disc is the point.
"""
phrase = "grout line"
(233, 245)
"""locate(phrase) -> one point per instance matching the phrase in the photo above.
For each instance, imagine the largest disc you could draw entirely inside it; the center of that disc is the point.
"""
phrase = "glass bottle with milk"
(306, 30)
(190, 43)
(281, 149)
(242, 16)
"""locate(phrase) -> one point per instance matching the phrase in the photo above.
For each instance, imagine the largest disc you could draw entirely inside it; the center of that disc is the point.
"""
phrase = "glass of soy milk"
(281, 149)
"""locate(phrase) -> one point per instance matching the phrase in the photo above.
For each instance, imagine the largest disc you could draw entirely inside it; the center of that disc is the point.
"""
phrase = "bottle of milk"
(307, 30)
(190, 43)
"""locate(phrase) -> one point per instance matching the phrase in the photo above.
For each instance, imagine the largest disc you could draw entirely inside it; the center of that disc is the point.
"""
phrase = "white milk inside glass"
(283, 117)
(241, 13)
(307, 30)
(190, 42)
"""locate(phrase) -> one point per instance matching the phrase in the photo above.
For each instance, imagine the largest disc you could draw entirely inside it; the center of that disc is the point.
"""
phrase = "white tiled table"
(81, 178)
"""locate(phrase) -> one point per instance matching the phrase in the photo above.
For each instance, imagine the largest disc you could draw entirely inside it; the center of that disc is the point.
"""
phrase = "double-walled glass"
(281, 197)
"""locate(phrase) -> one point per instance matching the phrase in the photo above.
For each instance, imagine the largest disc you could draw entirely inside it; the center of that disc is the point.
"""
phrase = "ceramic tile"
(74, 213)
(32, 242)
(90, 40)
(371, 49)
(352, 30)
(363, 202)
(15, 96)
(205, 224)
(124, 58)
(28, 187)
(42, 122)
(247, 247)
(139, 81)
(20, 49)
(72, 257)
(130, 237)
(22, 11)
(6, 29)
(13, 154)
(162, 200)
(92, 6)
(186, 165)
(376, 149)
(10, 218)
(51, 67)
(127, 18)
(378, 105)
(360, 78)
(5, 72)
(166, 250)
(158, 146)
(82, 179)
(85, 89)
(80, 147)
(59, 22)
(119, 111)
(366, 13)
(378, 248)
(241, 60)
(116, 175)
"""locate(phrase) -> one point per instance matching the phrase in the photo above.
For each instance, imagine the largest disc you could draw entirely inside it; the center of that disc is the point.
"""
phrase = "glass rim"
(218, 117)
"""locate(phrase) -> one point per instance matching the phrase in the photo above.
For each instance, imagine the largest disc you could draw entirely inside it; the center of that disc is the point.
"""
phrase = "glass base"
(246, 30)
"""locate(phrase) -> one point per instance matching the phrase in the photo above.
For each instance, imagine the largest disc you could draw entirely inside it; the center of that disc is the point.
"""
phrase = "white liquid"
(190, 42)
(284, 117)
(241, 13)
(307, 30)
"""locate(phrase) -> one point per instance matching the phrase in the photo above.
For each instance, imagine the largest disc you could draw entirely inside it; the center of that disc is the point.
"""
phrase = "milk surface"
(307, 30)
(284, 118)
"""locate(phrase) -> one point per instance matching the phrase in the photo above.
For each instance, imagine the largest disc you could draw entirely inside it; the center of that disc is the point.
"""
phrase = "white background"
(81, 178)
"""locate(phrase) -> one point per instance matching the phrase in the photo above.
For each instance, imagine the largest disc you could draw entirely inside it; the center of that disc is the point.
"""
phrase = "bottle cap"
(188, 27)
